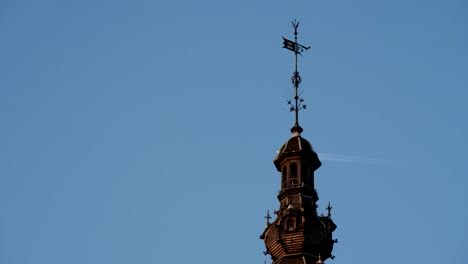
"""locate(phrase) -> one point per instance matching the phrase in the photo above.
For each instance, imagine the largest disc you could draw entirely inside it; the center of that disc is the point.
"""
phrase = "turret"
(298, 235)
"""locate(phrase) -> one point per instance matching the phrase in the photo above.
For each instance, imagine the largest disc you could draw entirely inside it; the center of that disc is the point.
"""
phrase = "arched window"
(293, 175)
(293, 171)
(283, 176)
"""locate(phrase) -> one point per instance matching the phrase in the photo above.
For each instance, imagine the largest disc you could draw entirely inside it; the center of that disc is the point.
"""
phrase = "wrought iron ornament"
(296, 78)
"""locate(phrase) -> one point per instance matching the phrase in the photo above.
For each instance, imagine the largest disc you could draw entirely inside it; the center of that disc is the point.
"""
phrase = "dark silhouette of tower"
(298, 235)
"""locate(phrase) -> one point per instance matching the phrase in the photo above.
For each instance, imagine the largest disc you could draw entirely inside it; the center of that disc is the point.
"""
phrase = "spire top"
(298, 103)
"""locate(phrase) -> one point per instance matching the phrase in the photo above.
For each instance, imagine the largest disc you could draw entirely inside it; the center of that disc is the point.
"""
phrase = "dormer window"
(291, 224)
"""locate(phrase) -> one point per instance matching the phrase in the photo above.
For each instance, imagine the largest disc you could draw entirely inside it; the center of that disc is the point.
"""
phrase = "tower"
(298, 235)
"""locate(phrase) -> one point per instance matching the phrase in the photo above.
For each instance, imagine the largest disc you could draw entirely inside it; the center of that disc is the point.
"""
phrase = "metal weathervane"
(296, 79)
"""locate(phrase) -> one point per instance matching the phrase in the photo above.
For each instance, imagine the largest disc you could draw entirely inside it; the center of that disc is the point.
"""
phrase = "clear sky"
(144, 131)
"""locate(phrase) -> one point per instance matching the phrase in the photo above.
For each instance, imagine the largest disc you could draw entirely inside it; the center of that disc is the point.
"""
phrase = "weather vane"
(296, 79)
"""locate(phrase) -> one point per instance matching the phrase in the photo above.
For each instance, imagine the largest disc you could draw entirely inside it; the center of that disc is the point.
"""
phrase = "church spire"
(298, 234)
(295, 79)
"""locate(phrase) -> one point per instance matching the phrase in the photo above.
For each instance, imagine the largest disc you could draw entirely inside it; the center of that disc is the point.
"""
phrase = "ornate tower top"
(298, 235)
(296, 78)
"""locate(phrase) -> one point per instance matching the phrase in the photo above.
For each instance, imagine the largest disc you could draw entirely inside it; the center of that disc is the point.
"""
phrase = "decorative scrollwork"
(296, 79)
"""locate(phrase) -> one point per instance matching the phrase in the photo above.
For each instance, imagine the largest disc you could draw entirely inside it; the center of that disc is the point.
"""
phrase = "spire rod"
(296, 78)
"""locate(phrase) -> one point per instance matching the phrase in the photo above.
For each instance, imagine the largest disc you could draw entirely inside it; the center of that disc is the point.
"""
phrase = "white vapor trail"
(356, 159)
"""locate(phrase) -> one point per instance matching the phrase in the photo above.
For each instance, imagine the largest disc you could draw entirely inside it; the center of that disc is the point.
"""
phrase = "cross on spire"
(268, 217)
(329, 208)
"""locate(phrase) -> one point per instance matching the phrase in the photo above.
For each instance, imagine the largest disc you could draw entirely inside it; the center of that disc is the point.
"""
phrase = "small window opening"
(290, 224)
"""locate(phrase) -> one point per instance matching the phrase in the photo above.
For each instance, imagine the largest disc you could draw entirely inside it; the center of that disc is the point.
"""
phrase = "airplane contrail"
(356, 159)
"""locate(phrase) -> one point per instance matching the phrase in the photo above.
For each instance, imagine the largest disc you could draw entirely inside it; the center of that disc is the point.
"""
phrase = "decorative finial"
(295, 79)
(329, 208)
(268, 217)
(319, 260)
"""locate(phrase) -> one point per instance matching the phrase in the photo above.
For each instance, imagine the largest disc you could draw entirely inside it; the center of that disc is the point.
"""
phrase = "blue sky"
(144, 131)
